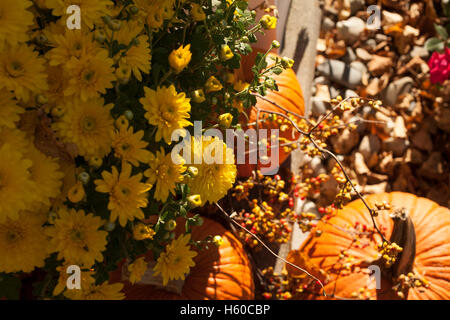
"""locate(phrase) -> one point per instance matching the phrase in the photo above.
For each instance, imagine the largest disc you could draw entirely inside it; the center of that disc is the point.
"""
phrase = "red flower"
(439, 66)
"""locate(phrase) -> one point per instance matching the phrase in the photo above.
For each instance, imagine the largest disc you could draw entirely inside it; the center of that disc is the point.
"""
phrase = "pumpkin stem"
(404, 235)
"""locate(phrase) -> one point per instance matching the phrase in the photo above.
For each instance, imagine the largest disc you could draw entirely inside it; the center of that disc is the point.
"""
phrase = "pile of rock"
(405, 145)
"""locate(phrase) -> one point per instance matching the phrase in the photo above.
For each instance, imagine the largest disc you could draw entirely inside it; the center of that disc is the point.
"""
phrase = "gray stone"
(334, 92)
(371, 43)
(356, 5)
(350, 30)
(350, 94)
(341, 73)
(369, 145)
(358, 65)
(398, 146)
(433, 168)
(391, 18)
(328, 24)
(379, 37)
(318, 106)
(359, 123)
(321, 80)
(317, 166)
(422, 139)
(350, 56)
(395, 89)
(363, 54)
(346, 141)
(420, 52)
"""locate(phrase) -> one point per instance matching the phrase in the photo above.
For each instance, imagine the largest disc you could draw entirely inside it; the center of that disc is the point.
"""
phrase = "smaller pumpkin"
(289, 96)
(420, 226)
(220, 273)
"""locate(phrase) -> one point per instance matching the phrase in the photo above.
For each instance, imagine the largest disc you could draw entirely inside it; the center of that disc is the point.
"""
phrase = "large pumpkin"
(289, 96)
(223, 273)
(424, 235)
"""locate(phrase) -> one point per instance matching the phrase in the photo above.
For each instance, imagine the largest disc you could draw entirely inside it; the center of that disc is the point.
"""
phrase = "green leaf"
(441, 31)
(434, 44)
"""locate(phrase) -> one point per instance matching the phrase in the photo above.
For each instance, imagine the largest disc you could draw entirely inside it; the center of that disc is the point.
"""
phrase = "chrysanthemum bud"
(287, 62)
(110, 226)
(84, 177)
(213, 85)
(76, 193)
(226, 53)
(193, 171)
(268, 22)
(218, 240)
(128, 114)
(194, 201)
(275, 44)
(41, 99)
(120, 122)
(225, 120)
(41, 39)
(170, 225)
(180, 58)
(198, 96)
(99, 35)
(134, 10)
(95, 161)
(115, 24)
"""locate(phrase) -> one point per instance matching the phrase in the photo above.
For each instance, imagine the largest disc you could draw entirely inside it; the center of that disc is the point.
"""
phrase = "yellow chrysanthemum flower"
(91, 11)
(167, 110)
(22, 71)
(151, 13)
(14, 137)
(176, 260)
(90, 75)
(75, 236)
(127, 195)
(164, 173)
(89, 125)
(73, 43)
(16, 186)
(138, 55)
(15, 20)
(9, 110)
(137, 269)
(23, 244)
(180, 58)
(142, 232)
(130, 147)
(46, 174)
(104, 291)
(216, 172)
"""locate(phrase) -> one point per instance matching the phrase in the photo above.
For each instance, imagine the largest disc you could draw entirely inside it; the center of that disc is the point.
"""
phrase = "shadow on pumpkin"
(219, 273)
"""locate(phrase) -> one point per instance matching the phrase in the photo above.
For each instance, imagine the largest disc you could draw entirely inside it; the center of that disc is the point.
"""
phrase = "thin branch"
(270, 250)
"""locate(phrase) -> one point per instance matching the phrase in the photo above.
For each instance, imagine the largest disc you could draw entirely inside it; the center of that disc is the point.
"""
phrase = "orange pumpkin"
(222, 273)
(289, 96)
(424, 236)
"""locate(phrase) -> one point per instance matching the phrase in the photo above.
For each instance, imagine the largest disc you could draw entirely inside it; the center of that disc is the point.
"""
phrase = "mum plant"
(87, 177)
